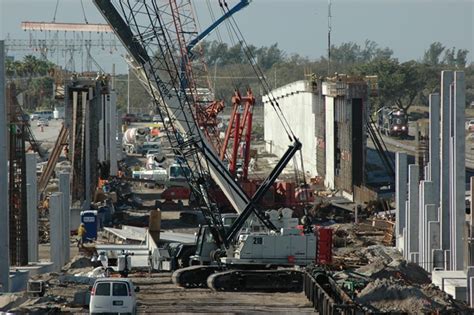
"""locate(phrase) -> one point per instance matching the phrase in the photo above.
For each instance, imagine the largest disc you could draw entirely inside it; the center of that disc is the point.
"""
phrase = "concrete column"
(4, 216)
(329, 180)
(434, 144)
(56, 230)
(432, 240)
(32, 206)
(446, 80)
(470, 286)
(426, 198)
(438, 257)
(120, 134)
(459, 172)
(401, 182)
(471, 227)
(113, 129)
(87, 167)
(64, 188)
(413, 212)
(101, 151)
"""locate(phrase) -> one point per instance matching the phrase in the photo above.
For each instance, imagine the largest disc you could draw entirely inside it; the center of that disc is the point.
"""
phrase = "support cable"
(55, 11)
(84, 13)
(258, 71)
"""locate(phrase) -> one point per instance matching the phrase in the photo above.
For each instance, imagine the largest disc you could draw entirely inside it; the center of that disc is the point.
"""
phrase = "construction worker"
(81, 235)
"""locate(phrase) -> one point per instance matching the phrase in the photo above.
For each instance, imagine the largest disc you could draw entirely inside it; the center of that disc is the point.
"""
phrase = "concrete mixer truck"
(133, 139)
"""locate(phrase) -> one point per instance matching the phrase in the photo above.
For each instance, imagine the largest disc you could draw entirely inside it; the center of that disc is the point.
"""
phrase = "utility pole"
(329, 36)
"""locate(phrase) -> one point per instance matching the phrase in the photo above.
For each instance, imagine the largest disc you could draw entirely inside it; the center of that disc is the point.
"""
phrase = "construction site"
(312, 196)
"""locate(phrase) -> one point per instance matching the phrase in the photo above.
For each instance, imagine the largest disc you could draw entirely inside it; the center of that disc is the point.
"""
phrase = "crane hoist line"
(146, 29)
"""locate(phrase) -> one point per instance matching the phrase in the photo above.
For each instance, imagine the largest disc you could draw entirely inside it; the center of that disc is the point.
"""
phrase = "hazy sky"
(298, 26)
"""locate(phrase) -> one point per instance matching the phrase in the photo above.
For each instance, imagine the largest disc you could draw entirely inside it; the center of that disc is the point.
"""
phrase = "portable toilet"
(91, 223)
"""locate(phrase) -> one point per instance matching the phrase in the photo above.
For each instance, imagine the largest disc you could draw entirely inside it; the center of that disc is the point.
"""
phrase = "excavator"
(259, 250)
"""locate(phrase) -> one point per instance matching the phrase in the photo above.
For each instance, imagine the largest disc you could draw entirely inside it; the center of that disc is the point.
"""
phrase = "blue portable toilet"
(91, 223)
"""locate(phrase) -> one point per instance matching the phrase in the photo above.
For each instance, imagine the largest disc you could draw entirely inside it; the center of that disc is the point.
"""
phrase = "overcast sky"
(298, 26)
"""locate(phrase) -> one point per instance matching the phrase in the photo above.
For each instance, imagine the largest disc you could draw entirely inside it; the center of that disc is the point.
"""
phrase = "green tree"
(461, 58)
(399, 84)
(432, 55)
(449, 57)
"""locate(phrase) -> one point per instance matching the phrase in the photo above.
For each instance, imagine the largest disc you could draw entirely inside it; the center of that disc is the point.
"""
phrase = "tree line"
(231, 67)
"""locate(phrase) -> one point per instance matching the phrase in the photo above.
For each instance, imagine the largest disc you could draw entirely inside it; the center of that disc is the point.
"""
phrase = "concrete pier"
(447, 78)
(56, 230)
(401, 182)
(413, 213)
(64, 188)
(458, 172)
(4, 216)
(426, 198)
(32, 206)
(87, 175)
(434, 143)
(471, 227)
(432, 240)
(113, 129)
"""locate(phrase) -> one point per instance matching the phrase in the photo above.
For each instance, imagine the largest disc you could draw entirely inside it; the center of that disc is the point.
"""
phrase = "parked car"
(470, 125)
(113, 295)
(42, 122)
(156, 118)
(129, 118)
(47, 114)
(145, 118)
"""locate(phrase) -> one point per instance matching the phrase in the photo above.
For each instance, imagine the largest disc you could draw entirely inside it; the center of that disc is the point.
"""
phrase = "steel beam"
(68, 27)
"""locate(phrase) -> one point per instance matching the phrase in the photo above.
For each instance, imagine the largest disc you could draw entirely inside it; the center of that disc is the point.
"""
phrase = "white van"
(113, 295)
(46, 114)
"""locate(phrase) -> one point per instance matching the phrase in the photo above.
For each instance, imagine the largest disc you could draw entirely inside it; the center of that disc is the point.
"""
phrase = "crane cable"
(84, 13)
(258, 71)
(219, 37)
(55, 11)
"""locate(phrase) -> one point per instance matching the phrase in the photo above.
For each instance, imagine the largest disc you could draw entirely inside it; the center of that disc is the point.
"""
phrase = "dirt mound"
(387, 295)
(398, 269)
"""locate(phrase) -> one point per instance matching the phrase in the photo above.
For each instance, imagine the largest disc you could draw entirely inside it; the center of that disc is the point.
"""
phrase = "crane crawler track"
(193, 276)
(281, 280)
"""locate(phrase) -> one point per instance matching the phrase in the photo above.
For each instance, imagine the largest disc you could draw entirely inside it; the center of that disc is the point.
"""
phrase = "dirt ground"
(159, 295)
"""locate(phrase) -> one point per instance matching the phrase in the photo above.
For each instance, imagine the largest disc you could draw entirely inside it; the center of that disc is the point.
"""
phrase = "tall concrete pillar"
(431, 241)
(401, 183)
(113, 129)
(459, 172)
(64, 188)
(329, 180)
(447, 78)
(87, 168)
(471, 227)
(119, 133)
(56, 230)
(434, 144)
(101, 150)
(433, 245)
(413, 212)
(426, 198)
(32, 206)
(4, 216)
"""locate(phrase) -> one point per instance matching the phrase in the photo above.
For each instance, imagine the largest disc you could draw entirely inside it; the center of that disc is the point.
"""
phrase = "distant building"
(329, 117)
